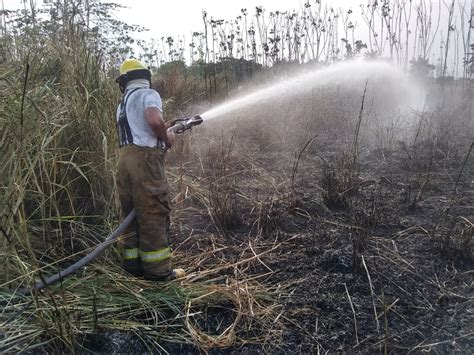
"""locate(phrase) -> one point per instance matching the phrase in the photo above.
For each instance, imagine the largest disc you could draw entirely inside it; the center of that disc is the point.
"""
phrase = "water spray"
(354, 72)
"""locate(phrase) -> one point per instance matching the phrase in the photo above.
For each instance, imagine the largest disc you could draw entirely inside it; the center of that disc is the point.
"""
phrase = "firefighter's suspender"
(125, 135)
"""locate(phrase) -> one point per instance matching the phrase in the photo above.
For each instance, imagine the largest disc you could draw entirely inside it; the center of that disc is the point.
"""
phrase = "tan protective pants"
(142, 185)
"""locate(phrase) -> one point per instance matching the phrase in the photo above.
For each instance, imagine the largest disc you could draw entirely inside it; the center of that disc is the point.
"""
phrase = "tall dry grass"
(58, 200)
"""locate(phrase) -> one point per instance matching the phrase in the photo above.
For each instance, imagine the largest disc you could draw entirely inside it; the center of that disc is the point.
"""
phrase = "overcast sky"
(181, 17)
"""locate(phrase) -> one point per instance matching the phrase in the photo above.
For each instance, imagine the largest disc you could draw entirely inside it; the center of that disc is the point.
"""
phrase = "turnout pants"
(142, 185)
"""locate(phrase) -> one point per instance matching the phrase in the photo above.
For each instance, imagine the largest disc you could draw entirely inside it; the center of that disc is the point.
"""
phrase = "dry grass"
(58, 201)
(102, 298)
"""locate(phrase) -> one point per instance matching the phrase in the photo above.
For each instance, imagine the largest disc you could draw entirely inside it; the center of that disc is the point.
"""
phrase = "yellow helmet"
(131, 64)
(131, 69)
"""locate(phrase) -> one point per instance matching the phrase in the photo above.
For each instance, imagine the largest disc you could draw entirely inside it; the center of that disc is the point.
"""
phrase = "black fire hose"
(179, 127)
(82, 262)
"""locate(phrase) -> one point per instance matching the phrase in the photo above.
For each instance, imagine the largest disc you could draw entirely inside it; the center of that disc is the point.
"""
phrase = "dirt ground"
(380, 274)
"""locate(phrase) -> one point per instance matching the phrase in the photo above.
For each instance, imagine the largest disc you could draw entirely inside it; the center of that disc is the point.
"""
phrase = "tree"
(421, 68)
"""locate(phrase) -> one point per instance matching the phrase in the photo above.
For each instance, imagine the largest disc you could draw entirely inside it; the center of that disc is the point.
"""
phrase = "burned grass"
(372, 275)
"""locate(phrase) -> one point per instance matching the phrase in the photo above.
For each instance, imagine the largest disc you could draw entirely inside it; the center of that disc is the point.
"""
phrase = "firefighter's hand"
(170, 138)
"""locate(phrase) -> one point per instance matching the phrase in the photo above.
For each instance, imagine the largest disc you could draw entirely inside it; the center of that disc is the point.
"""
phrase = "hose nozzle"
(184, 124)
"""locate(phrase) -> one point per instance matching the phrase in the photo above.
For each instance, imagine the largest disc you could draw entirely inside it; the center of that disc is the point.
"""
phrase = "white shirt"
(136, 103)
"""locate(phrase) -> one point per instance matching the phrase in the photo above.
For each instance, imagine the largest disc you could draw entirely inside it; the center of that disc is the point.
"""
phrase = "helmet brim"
(132, 75)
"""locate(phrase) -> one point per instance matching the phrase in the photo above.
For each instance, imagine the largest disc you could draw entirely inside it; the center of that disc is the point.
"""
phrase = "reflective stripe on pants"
(130, 253)
(155, 255)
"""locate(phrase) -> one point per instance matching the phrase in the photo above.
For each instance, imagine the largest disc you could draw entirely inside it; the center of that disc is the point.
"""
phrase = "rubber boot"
(177, 274)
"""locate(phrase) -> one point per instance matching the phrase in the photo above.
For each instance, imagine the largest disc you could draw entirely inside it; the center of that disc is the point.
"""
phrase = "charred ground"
(371, 256)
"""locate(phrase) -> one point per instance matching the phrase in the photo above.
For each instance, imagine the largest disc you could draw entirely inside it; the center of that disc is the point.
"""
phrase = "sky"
(181, 17)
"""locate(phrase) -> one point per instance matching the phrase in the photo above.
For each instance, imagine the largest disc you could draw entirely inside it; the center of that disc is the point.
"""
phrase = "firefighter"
(142, 185)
